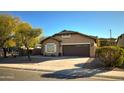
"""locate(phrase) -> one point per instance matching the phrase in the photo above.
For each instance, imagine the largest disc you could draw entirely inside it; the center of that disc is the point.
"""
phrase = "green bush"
(110, 56)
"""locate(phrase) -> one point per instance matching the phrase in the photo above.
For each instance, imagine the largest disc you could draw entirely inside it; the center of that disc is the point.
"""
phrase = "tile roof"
(74, 32)
(69, 32)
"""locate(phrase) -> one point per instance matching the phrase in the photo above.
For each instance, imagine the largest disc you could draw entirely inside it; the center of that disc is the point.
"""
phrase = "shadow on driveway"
(34, 59)
(88, 69)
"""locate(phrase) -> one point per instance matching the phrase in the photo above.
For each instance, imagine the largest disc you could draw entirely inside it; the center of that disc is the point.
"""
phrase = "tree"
(26, 36)
(7, 27)
(107, 42)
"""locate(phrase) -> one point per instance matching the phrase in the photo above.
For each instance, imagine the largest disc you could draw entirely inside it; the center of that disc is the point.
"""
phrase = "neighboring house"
(106, 42)
(69, 43)
(120, 41)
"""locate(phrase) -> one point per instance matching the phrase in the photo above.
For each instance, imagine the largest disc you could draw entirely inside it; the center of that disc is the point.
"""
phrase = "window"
(50, 48)
(66, 36)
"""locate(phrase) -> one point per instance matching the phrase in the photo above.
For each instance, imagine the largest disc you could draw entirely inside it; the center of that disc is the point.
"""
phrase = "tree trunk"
(28, 54)
(4, 51)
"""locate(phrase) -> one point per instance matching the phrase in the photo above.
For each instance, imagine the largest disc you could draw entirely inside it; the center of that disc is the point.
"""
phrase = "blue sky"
(91, 23)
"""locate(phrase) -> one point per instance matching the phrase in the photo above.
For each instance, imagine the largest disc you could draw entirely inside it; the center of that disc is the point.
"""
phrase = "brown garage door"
(77, 50)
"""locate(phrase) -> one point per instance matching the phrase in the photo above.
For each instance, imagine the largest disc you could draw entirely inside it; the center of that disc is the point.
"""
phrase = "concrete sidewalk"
(118, 75)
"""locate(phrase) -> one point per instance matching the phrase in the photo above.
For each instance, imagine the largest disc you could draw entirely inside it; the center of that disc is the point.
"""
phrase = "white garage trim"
(74, 43)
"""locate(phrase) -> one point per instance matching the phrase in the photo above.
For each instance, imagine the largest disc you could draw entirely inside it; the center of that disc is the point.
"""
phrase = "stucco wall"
(120, 42)
(75, 38)
(51, 41)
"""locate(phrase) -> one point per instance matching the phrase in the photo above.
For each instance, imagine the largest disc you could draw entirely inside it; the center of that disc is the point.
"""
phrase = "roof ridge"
(75, 32)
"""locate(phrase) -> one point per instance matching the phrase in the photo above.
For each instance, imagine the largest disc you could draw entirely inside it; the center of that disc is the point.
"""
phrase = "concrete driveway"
(44, 63)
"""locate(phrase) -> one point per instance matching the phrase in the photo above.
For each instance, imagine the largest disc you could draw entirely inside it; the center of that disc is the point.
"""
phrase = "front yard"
(63, 68)
(43, 63)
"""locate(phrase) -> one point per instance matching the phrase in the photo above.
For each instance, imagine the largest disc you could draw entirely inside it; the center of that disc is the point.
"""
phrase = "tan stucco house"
(69, 43)
(120, 41)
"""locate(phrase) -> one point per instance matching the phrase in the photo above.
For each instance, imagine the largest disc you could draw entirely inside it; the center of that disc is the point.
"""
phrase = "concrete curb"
(28, 69)
(110, 77)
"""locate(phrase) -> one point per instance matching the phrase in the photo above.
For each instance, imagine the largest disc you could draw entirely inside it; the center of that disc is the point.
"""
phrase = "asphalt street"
(9, 74)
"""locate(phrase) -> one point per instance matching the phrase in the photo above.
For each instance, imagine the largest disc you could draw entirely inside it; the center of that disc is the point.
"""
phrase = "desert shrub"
(110, 56)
